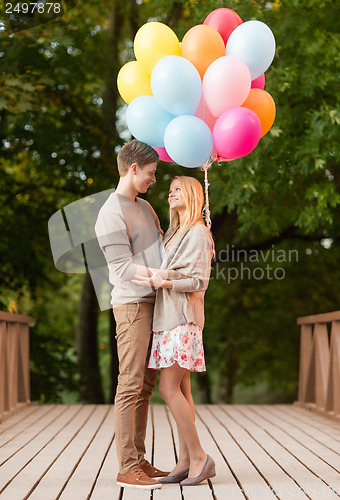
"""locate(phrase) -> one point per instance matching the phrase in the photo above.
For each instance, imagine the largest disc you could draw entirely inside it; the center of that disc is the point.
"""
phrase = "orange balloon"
(263, 105)
(201, 45)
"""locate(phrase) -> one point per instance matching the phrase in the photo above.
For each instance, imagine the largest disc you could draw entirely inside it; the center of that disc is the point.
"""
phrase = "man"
(130, 236)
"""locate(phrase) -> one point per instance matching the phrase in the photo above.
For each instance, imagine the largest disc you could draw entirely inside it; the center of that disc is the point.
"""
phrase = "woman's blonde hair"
(193, 195)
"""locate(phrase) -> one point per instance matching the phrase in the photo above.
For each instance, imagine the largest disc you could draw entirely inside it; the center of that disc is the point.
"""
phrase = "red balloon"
(224, 21)
(163, 155)
(259, 82)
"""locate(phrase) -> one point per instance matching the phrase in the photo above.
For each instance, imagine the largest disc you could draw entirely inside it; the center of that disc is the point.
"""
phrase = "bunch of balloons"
(202, 98)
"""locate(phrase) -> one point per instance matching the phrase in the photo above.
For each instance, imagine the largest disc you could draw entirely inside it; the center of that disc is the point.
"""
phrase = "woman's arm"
(166, 274)
(155, 280)
(194, 262)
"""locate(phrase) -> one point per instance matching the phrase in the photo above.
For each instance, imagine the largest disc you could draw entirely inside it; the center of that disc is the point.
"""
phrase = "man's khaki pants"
(135, 381)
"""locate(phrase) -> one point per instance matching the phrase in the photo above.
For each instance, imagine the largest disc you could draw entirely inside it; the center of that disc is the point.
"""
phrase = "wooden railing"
(14, 362)
(319, 374)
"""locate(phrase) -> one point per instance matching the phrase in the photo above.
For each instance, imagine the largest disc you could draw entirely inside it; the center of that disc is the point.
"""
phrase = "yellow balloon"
(133, 81)
(153, 41)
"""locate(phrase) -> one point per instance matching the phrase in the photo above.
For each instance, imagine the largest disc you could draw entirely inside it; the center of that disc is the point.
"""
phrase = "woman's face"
(176, 198)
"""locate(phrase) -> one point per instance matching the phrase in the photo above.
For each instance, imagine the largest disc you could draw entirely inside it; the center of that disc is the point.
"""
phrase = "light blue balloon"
(147, 120)
(188, 141)
(176, 85)
(254, 43)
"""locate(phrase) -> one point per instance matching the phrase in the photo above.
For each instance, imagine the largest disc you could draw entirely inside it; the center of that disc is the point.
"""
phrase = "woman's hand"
(155, 280)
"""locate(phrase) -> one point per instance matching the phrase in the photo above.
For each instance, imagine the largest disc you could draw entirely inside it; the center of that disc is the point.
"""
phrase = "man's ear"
(134, 167)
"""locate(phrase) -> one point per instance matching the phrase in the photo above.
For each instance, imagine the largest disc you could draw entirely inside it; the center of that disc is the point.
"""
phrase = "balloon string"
(206, 210)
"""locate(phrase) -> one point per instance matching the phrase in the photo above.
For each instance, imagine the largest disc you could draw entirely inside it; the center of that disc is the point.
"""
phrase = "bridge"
(261, 451)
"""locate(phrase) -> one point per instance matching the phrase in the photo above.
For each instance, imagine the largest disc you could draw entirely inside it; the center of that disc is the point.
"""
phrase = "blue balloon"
(147, 120)
(254, 43)
(188, 141)
(176, 85)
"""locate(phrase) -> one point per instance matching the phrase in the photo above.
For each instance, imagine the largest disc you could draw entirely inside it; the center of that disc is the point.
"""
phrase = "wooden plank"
(38, 429)
(164, 453)
(276, 478)
(224, 484)
(12, 353)
(31, 473)
(321, 368)
(316, 420)
(105, 486)
(314, 455)
(23, 450)
(321, 444)
(81, 481)
(3, 369)
(202, 490)
(76, 441)
(306, 346)
(21, 421)
(333, 389)
(16, 318)
(249, 479)
(17, 416)
(279, 447)
(319, 318)
(24, 388)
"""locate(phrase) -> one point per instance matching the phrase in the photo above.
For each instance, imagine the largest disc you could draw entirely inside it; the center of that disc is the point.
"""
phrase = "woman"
(178, 321)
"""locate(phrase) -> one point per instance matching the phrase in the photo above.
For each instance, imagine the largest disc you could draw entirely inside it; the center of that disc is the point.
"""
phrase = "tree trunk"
(227, 381)
(203, 388)
(90, 385)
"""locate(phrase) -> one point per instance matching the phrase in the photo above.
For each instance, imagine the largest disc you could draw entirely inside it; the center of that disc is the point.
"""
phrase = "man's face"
(144, 177)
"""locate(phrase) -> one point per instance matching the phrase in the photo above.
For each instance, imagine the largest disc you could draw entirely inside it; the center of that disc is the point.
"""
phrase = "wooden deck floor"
(261, 452)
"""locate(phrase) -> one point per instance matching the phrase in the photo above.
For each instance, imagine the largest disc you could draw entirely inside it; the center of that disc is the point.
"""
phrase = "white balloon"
(254, 43)
(226, 84)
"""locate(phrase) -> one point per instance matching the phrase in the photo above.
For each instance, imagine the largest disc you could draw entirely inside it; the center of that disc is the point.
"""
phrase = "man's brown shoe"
(136, 478)
(152, 471)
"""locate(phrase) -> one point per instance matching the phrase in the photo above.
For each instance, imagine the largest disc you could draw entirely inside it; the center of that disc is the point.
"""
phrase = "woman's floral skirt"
(182, 344)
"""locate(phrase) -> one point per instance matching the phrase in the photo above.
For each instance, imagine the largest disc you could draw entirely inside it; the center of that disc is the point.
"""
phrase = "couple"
(158, 305)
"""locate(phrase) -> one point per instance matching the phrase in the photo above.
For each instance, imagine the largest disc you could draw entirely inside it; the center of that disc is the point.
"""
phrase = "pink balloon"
(216, 157)
(163, 154)
(236, 133)
(204, 113)
(259, 82)
(226, 84)
(224, 21)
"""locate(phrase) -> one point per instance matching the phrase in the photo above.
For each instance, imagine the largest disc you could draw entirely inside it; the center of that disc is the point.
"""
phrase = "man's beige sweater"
(128, 233)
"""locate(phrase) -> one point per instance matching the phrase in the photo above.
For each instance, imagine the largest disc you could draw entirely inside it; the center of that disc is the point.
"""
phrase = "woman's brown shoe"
(208, 471)
(176, 478)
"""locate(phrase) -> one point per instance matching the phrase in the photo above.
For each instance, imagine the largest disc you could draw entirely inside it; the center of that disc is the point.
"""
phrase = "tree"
(60, 122)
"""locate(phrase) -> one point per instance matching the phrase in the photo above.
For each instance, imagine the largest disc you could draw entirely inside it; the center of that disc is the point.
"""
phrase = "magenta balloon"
(224, 21)
(259, 82)
(236, 133)
(163, 155)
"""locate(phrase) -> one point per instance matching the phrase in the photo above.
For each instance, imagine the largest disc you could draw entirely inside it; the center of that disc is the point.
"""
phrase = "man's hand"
(155, 280)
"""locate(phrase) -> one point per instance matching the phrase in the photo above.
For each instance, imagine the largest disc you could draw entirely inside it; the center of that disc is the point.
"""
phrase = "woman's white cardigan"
(190, 254)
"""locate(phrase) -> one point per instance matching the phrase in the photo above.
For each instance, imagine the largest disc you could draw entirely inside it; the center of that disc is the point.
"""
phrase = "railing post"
(321, 353)
(14, 362)
(3, 369)
(305, 362)
(319, 371)
(333, 390)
